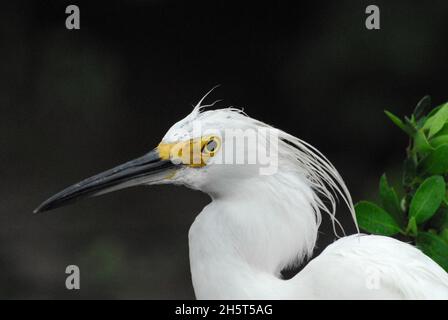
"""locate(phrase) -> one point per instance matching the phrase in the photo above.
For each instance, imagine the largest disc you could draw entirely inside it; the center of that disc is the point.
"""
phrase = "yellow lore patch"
(193, 152)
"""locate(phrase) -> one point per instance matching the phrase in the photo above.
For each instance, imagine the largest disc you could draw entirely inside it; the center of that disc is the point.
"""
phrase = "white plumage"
(256, 225)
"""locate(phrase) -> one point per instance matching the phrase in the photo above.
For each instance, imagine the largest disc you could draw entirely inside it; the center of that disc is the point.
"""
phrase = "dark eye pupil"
(211, 146)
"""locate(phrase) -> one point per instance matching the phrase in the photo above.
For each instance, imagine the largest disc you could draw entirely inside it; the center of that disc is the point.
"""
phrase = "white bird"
(257, 224)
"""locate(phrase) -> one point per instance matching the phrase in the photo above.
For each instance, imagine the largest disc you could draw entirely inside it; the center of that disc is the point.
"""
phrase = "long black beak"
(149, 168)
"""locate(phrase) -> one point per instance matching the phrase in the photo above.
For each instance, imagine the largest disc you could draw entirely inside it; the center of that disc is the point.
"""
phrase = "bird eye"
(210, 146)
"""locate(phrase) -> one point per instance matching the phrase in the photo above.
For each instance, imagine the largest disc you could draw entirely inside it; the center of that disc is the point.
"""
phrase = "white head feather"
(295, 156)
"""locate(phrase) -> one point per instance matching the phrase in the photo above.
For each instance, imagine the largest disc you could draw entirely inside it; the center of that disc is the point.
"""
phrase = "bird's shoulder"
(398, 269)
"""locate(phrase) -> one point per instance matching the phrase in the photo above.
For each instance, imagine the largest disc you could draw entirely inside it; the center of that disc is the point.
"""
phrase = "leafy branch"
(420, 213)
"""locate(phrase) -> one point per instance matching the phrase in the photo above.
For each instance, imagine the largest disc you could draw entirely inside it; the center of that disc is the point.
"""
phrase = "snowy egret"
(259, 223)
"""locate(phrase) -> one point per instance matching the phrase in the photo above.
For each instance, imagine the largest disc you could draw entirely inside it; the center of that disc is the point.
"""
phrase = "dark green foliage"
(421, 213)
(375, 219)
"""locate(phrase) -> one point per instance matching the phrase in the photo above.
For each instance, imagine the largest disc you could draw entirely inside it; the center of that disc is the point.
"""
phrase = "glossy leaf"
(374, 219)
(434, 111)
(436, 122)
(421, 143)
(398, 122)
(435, 247)
(436, 162)
(439, 140)
(427, 199)
(443, 131)
(389, 200)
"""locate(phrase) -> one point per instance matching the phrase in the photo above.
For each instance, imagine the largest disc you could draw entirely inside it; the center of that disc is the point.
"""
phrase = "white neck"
(242, 240)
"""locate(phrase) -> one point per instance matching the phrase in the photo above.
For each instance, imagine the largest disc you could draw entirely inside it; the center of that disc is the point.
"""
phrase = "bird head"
(214, 150)
(205, 150)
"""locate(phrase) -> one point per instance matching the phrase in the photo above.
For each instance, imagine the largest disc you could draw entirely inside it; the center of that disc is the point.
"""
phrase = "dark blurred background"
(74, 103)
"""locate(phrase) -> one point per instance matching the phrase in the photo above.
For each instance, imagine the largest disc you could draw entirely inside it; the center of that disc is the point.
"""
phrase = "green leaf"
(409, 172)
(422, 106)
(436, 122)
(434, 111)
(443, 131)
(398, 122)
(374, 219)
(421, 122)
(440, 218)
(435, 247)
(421, 143)
(389, 201)
(436, 162)
(444, 234)
(427, 199)
(412, 228)
(438, 140)
(411, 125)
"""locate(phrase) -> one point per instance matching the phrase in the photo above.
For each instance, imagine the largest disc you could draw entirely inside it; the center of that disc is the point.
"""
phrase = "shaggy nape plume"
(321, 175)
